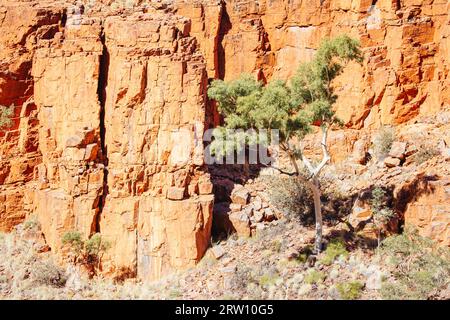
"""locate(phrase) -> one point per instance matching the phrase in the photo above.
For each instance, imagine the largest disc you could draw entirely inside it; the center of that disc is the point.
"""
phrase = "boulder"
(398, 150)
(391, 162)
(241, 223)
(240, 195)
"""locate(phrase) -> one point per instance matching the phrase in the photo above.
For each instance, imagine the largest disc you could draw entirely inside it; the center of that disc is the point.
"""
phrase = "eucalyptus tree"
(292, 108)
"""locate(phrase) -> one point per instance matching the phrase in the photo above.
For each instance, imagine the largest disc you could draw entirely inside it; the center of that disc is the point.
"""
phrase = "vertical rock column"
(70, 178)
(158, 207)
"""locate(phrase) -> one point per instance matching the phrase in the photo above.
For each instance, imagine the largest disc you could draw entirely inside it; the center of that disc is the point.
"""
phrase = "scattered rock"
(391, 162)
(304, 289)
(374, 280)
(269, 214)
(240, 195)
(234, 207)
(258, 216)
(218, 252)
(292, 254)
(241, 223)
(398, 150)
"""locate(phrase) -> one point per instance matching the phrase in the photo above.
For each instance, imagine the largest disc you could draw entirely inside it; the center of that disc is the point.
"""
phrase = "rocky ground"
(274, 264)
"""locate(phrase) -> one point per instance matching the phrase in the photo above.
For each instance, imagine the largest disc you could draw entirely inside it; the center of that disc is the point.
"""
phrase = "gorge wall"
(110, 105)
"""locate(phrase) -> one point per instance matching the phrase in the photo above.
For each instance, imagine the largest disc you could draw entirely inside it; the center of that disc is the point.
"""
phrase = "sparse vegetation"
(335, 249)
(314, 277)
(48, 273)
(32, 223)
(425, 152)
(291, 196)
(382, 214)
(418, 268)
(383, 142)
(87, 252)
(268, 279)
(349, 290)
(5, 116)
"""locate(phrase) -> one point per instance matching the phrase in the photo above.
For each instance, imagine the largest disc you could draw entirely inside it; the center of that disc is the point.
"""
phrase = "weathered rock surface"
(22, 26)
(154, 119)
(406, 44)
(120, 111)
(110, 104)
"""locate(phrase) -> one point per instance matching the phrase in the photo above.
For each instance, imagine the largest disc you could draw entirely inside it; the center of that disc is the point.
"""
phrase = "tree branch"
(326, 155)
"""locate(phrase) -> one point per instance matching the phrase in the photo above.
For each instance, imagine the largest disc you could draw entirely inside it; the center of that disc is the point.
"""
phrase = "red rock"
(429, 212)
(398, 150)
(240, 195)
(391, 162)
(175, 193)
(114, 101)
(241, 223)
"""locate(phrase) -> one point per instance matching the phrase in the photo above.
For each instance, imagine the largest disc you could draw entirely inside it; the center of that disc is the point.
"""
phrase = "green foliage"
(276, 245)
(268, 279)
(87, 252)
(350, 290)
(74, 240)
(290, 108)
(424, 153)
(419, 269)
(335, 249)
(383, 142)
(312, 84)
(5, 116)
(314, 277)
(95, 245)
(382, 213)
(31, 223)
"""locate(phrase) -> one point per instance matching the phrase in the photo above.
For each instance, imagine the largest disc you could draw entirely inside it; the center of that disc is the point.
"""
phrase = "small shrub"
(276, 245)
(314, 277)
(96, 245)
(241, 278)
(350, 290)
(383, 142)
(382, 214)
(5, 116)
(268, 279)
(424, 153)
(335, 249)
(47, 273)
(87, 252)
(74, 240)
(419, 269)
(31, 223)
(289, 195)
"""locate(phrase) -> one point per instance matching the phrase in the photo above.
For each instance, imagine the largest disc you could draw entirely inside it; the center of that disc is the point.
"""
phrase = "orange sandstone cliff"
(110, 106)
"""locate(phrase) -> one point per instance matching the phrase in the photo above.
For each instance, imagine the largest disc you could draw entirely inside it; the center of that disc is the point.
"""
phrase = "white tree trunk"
(318, 214)
(315, 188)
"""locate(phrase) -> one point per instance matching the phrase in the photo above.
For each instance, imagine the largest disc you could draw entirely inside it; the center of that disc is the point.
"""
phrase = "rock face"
(154, 120)
(430, 213)
(406, 44)
(22, 26)
(110, 106)
(115, 130)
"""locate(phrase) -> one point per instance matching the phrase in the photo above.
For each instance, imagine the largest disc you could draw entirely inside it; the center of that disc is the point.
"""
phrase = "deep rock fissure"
(101, 91)
(224, 27)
